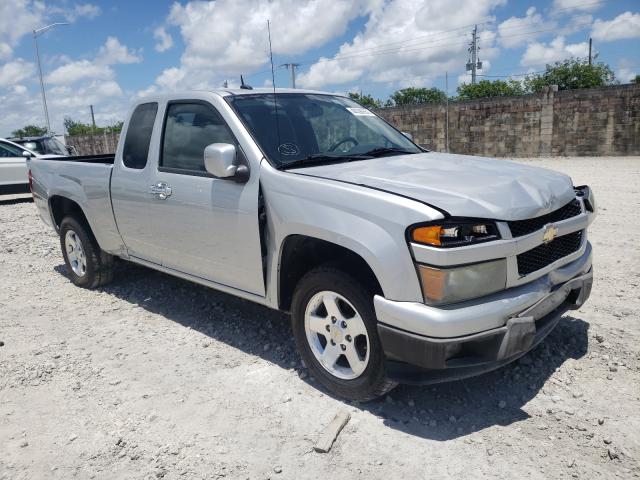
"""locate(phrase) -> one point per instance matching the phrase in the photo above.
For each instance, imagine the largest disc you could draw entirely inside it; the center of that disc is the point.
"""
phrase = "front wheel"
(87, 265)
(334, 326)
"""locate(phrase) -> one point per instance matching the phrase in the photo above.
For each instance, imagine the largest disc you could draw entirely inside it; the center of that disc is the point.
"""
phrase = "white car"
(13, 166)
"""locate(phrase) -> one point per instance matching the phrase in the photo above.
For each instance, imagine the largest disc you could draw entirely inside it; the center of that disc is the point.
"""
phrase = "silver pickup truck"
(397, 264)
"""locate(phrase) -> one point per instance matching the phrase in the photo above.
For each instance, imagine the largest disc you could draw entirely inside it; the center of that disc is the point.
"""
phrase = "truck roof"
(262, 90)
(226, 92)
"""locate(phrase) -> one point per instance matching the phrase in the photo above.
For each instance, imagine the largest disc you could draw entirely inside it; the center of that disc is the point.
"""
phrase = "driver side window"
(189, 127)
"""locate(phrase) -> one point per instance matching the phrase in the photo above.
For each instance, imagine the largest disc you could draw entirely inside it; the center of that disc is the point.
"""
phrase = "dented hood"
(463, 186)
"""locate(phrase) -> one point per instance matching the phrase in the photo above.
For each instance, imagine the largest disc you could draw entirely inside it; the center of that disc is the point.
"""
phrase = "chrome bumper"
(417, 359)
(482, 314)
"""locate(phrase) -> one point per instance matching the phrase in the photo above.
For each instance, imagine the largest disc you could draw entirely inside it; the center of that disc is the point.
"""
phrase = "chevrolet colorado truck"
(397, 264)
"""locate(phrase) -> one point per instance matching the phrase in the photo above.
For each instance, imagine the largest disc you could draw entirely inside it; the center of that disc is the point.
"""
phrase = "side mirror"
(26, 154)
(220, 160)
(408, 135)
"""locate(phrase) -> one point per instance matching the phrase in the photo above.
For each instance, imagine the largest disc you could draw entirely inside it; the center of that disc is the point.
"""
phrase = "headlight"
(449, 285)
(587, 196)
(452, 233)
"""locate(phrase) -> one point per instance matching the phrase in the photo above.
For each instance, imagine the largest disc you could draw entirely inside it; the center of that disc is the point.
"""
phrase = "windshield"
(55, 146)
(34, 146)
(314, 127)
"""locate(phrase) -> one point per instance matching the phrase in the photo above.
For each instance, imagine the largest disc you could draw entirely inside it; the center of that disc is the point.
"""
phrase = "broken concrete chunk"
(329, 435)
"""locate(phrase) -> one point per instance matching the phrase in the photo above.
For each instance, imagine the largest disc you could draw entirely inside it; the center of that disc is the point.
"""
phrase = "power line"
(579, 5)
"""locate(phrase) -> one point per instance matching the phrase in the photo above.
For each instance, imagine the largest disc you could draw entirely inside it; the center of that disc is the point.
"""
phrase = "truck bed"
(85, 180)
(104, 158)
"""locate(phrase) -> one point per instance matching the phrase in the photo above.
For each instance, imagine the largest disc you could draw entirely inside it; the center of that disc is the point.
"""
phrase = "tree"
(365, 100)
(78, 128)
(487, 88)
(571, 74)
(412, 95)
(29, 131)
(636, 80)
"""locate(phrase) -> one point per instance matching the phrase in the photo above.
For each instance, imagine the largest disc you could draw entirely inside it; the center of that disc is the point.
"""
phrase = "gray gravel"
(154, 377)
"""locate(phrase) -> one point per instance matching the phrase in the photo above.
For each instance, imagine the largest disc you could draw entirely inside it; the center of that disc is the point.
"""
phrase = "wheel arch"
(61, 207)
(301, 253)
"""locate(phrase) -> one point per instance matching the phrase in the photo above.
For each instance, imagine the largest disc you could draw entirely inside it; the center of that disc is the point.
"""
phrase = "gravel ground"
(154, 377)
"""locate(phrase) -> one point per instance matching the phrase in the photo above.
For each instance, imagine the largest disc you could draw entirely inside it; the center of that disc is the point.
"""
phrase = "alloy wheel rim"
(75, 253)
(337, 335)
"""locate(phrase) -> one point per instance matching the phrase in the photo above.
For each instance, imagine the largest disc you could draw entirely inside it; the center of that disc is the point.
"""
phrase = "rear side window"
(189, 128)
(136, 144)
(7, 150)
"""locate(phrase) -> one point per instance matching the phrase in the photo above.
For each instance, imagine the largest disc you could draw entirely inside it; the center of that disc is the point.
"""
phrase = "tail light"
(30, 182)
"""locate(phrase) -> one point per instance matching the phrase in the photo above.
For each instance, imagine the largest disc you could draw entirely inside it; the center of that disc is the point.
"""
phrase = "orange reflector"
(429, 235)
(433, 282)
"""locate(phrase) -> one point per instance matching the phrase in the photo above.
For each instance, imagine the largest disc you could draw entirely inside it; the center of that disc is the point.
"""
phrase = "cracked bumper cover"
(414, 357)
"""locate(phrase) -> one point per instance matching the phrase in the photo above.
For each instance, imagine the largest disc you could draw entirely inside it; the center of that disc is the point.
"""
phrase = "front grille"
(547, 253)
(523, 227)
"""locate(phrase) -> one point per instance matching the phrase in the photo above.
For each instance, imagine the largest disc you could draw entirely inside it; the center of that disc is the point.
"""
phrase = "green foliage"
(365, 100)
(571, 74)
(29, 131)
(487, 88)
(412, 95)
(636, 80)
(78, 128)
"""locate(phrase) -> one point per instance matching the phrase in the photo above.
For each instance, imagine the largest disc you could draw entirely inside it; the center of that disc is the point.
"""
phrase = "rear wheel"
(88, 266)
(334, 325)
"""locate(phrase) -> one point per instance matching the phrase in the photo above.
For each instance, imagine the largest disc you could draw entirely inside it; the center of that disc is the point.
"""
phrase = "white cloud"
(79, 10)
(113, 52)
(627, 70)
(19, 108)
(624, 26)
(19, 17)
(5, 50)
(165, 41)
(576, 23)
(171, 78)
(540, 54)
(576, 5)
(511, 30)
(406, 42)
(14, 72)
(79, 70)
(239, 43)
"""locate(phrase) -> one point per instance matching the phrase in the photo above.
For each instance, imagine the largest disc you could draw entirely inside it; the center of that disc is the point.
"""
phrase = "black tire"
(372, 382)
(99, 264)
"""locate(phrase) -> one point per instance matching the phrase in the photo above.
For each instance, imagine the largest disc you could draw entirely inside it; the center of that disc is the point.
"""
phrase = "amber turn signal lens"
(428, 235)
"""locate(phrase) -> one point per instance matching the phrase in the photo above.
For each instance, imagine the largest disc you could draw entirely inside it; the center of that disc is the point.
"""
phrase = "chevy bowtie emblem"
(550, 232)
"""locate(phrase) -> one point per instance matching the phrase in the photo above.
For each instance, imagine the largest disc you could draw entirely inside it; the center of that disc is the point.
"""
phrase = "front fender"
(368, 222)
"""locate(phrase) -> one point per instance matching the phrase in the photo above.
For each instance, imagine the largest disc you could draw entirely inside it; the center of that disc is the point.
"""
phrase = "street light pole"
(37, 32)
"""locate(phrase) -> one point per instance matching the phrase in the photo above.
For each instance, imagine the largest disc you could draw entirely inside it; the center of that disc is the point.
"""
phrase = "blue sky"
(114, 52)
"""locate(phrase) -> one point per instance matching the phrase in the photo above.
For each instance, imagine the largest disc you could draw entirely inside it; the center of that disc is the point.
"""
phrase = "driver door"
(203, 226)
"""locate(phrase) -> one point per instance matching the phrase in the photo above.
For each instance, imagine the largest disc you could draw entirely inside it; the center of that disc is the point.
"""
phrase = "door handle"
(161, 190)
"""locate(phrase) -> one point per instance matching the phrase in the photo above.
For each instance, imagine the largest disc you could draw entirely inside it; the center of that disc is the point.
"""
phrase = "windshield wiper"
(323, 159)
(381, 151)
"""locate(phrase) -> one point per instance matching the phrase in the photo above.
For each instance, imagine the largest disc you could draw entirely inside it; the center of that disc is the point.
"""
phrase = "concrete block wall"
(599, 121)
(587, 122)
(94, 144)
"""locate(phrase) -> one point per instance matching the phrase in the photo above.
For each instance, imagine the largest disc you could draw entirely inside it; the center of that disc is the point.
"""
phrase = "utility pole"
(293, 67)
(590, 45)
(446, 125)
(93, 118)
(37, 32)
(474, 64)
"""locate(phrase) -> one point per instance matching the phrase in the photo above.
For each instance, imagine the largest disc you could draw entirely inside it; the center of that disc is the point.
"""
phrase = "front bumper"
(416, 358)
